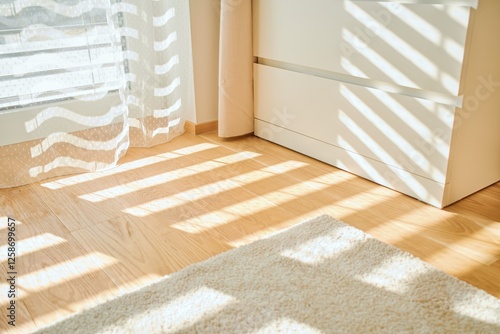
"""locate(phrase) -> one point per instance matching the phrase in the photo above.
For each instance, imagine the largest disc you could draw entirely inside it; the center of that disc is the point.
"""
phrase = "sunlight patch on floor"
(223, 216)
(486, 253)
(267, 172)
(289, 326)
(205, 222)
(155, 206)
(4, 224)
(32, 245)
(65, 271)
(212, 189)
(393, 275)
(481, 312)
(182, 312)
(322, 248)
(159, 179)
(258, 204)
(126, 167)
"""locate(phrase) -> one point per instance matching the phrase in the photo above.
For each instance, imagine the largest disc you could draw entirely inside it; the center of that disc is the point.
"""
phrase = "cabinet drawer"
(404, 132)
(422, 188)
(414, 45)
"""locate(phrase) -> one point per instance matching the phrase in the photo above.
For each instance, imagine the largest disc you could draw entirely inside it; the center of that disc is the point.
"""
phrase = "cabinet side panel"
(475, 154)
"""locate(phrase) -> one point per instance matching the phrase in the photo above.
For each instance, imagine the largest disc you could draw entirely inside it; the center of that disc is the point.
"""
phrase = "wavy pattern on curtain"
(82, 80)
(156, 97)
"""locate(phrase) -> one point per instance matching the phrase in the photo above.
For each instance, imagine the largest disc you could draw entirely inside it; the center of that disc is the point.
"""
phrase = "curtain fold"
(156, 94)
(235, 68)
(86, 80)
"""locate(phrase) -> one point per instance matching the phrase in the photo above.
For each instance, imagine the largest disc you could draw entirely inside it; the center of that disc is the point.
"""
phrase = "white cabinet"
(413, 45)
(376, 87)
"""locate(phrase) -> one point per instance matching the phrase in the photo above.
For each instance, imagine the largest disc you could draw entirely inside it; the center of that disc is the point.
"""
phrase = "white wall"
(204, 15)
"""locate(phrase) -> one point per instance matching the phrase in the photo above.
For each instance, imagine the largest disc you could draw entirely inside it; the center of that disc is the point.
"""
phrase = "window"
(54, 50)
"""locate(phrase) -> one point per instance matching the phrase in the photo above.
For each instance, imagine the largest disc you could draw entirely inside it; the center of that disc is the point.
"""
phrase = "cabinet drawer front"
(422, 188)
(413, 45)
(405, 132)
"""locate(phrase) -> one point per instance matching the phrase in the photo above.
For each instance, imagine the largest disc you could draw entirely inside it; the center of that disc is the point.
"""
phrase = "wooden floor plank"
(25, 205)
(23, 319)
(55, 275)
(142, 255)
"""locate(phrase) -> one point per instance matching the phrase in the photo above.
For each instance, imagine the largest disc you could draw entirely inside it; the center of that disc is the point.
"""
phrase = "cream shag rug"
(321, 276)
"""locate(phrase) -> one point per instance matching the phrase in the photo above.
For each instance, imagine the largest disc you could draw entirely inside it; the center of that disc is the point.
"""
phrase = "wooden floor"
(84, 239)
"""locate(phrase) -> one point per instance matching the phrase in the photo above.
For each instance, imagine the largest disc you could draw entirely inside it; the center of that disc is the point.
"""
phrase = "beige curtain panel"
(235, 69)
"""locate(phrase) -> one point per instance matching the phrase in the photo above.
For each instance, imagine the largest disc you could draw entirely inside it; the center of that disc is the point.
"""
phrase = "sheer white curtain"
(235, 68)
(83, 80)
